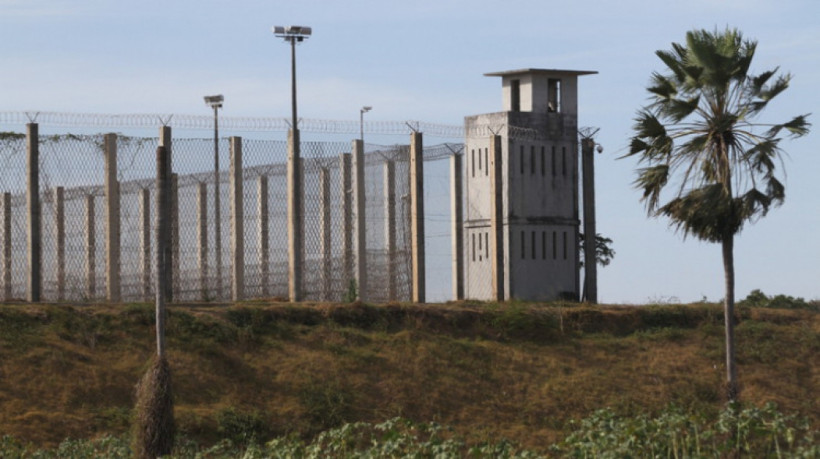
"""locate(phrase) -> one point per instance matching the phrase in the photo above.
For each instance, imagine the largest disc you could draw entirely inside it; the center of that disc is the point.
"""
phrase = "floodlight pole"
(216, 103)
(362, 111)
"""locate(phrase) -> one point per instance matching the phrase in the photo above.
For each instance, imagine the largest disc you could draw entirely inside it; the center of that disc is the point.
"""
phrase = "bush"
(758, 299)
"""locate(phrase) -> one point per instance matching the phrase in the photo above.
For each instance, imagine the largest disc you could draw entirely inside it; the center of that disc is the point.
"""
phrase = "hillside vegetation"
(518, 371)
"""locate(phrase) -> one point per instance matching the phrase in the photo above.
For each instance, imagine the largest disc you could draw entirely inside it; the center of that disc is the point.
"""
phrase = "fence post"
(390, 226)
(347, 220)
(457, 225)
(165, 141)
(361, 230)
(90, 248)
(145, 242)
(35, 241)
(59, 237)
(237, 221)
(6, 246)
(112, 219)
(264, 244)
(295, 217)
(417, 216)
(324, 224)
(202, 238)
(163, 235)
(496, 218)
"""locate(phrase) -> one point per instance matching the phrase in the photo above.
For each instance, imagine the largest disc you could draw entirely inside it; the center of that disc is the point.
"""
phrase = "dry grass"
(154, 419)
(515, 370)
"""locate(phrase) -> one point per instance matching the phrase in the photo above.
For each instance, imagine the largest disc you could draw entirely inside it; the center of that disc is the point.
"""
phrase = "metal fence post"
(59, 237)
(165, 141)
(457, 225)
(295, 217)
(361, 234)
(347, 220)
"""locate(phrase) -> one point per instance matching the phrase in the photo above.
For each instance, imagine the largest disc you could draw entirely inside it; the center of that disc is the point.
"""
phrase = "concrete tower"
(521, 190)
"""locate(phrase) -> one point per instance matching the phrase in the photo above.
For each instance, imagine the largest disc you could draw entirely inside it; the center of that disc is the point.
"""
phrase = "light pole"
(363, 110)
(294, 34)
(216, 103)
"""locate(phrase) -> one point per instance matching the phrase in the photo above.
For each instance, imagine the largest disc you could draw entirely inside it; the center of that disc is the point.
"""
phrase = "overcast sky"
(424, 60)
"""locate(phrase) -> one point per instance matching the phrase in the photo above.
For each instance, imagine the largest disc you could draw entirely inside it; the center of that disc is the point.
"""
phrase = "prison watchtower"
(521, 190)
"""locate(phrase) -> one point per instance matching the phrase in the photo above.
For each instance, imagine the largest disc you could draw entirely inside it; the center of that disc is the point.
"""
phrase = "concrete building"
(521, 223)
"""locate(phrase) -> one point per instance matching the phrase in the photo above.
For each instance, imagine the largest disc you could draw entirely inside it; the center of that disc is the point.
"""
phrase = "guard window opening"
(564, 161)
(473, 242)
(554, 245)
(565, 245)
(543, 162)
(554, 95)
(479, 248)
(522, 159)
(532, 237)
(486, 244)
(553, 161)
(543, 245)
(532, 160)
(486, 160)
(515, 95)
(523, 252)
(472, 160)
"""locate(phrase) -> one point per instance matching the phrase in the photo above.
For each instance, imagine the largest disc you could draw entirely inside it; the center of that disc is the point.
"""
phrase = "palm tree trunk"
(732, 390)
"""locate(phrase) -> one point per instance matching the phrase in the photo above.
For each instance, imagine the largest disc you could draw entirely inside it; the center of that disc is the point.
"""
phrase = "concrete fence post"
(417, 216)
(34, 217)
(295, 217)
(237, 221)
(163, 235)
(59, 239)
(324, 224)
(165, 141)
(361, 220)
(6, 236)
(112, 219)
(145, 241)
(90, 248)
(202, 238)
(264, 233)
(347, 219)
(457, 225)
(390, 226)
(496, 219)
(590, 265)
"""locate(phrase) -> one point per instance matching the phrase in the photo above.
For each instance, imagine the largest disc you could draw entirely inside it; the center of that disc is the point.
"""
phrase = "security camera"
(599, 148)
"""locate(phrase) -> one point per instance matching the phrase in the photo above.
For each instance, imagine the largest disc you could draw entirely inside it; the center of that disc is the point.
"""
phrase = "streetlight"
(216, 103)
(363, 110)
(294, 34)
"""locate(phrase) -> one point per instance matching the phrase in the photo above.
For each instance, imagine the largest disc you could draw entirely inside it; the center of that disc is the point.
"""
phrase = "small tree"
(700, 134)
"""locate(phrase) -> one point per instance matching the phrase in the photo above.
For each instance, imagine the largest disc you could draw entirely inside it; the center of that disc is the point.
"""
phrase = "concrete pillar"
(34, 223)
(145, 242)
(361, 221)
(165, 141)
(6, 237)
(295, 217)
(263, 233)
(112, 219)
(456, 226)
(496, 219)
(202, 238)
(390, 226)
(59, 238)
(417, 216)
(163, 235)
(324, 224)
(237, 221)
(347, 219)
(590, 265)
(90, 248)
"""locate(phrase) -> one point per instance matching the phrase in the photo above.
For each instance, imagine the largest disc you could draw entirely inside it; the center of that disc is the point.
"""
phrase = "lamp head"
(214, 101)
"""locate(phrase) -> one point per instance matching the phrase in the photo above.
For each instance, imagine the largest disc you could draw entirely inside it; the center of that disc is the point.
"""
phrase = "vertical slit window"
(554, 245)
(486, 160)
(523, 253)
(479, 247)
(473, 238)
(565, 245)
(543, 162)
(479, 161)
(553, 161)
(522, 159)
(472, 160)
(486, 244)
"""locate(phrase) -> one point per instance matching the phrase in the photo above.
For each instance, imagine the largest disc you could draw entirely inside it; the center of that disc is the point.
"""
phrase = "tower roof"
(541, 72)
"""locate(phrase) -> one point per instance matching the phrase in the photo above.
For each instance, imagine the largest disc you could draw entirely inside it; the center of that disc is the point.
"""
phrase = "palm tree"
(700, 135)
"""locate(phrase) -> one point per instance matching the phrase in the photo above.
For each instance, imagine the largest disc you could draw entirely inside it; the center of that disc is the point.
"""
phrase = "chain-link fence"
(89, 221)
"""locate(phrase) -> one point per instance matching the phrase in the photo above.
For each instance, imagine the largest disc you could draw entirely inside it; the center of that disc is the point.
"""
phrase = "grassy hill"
(519, 371)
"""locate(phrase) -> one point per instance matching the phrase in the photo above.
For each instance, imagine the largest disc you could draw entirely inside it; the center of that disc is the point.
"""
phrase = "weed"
(242, 427)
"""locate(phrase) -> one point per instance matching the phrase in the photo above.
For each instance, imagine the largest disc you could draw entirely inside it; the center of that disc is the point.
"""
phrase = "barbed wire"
(204, 122)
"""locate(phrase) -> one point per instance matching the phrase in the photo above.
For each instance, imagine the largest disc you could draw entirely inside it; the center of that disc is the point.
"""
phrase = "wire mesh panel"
(13, 214)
